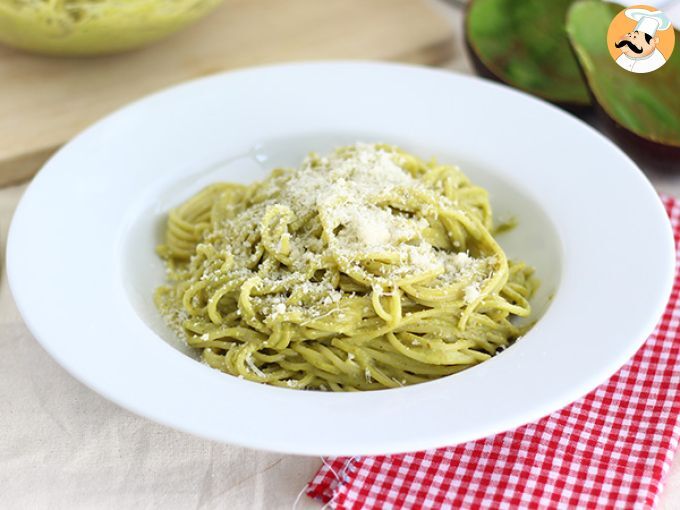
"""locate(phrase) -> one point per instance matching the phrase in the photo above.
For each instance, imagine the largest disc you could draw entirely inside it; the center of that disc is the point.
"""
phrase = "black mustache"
(626, 42)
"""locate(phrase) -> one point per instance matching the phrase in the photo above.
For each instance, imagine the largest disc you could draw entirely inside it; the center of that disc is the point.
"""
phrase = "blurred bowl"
(94, 27)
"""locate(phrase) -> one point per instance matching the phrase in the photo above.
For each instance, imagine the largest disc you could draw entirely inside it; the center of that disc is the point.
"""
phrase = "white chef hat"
(649, 21)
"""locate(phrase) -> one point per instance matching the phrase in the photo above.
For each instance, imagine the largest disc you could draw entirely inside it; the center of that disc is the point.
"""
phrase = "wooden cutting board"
(45, 101)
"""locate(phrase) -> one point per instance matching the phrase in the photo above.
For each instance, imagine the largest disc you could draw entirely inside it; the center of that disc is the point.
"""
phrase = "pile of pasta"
(364, 269)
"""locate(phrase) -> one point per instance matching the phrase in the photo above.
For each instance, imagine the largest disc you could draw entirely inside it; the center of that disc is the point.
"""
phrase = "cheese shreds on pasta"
(364, 269)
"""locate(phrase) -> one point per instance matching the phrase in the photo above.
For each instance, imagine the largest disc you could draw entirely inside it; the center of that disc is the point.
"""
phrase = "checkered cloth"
(610, 449)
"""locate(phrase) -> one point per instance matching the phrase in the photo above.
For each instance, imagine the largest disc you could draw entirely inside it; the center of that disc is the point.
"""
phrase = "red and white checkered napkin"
(610, 449)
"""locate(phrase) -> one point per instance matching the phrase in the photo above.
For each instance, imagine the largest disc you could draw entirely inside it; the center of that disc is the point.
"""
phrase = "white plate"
(82, 266)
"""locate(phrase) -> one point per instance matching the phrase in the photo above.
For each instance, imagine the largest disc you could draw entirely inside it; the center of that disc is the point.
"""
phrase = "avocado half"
(523, 43)
(642, 111)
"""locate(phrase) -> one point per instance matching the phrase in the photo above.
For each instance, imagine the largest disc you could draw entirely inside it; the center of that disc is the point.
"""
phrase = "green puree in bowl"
(91, 27)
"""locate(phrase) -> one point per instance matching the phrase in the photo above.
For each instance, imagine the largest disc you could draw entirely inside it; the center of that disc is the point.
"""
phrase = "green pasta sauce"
(364, 269)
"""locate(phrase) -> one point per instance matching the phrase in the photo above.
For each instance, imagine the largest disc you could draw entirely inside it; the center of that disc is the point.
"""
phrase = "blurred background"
(46, 100)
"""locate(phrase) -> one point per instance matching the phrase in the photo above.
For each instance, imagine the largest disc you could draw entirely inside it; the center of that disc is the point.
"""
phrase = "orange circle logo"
(641, 39)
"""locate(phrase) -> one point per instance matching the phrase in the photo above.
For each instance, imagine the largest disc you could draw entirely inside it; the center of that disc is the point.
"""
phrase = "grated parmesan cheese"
(372, 230)
(472, 292)
(349, 190)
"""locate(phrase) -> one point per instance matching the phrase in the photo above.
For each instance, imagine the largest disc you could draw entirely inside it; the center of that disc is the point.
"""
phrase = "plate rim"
(587, 385)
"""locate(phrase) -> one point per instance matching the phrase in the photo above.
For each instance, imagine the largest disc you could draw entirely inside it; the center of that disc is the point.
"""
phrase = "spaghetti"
(365, 269)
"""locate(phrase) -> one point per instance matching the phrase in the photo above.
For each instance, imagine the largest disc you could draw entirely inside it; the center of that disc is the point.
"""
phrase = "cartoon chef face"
(639, 48)
(637, 44)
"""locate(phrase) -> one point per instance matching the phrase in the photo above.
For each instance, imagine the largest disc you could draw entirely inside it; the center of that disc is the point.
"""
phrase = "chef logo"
(641, 39)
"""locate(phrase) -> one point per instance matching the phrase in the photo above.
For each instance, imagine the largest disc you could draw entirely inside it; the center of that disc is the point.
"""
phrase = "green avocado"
(524, 43)
(646, 105)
